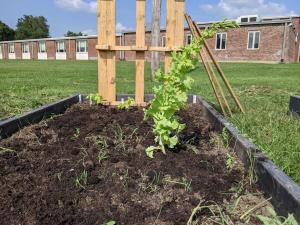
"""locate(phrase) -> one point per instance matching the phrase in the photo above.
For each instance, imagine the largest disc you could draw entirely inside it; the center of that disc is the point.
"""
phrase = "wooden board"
(107, 59)
(140, 55)
(174, 29)
(170, 29)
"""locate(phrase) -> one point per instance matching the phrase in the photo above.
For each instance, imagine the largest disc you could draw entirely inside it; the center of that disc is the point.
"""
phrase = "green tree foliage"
(6, 33)
(32, 27)
(170, 95)
(73, 34)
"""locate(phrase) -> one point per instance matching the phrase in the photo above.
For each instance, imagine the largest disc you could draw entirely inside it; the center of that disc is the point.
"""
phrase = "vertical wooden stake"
(170, 29)
(140, 55)
(107, 59)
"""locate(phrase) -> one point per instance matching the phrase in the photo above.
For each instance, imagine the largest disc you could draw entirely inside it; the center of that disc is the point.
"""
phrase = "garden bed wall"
(284, 192)
(294, 108)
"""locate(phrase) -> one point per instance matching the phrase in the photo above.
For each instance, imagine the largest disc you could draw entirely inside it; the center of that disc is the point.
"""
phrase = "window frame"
(64, 44)
(78, 47)
(39, 47)
(254, 36)
(221, 43)
(187, 39)
(13, 47)
(27, 48)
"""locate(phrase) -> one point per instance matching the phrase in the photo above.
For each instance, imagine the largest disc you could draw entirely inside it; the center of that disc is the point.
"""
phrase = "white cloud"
(235, 8)
(77, 5)
(120, 28)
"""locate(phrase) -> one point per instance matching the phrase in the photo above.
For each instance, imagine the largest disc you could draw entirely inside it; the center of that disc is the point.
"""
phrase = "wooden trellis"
(107, 45)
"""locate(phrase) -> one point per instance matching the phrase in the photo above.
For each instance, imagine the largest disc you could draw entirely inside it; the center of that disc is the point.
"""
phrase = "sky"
(80, 15)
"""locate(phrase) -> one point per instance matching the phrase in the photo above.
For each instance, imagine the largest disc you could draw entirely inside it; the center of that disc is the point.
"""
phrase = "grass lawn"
(264, 91)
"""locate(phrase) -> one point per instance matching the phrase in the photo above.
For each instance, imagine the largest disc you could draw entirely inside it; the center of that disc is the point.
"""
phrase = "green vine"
(170, 95)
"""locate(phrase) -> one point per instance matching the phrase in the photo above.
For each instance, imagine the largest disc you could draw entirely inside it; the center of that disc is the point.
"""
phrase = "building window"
(60, 46)
(0, 49)
(11, 48)
(189, 39)
(163, 41)
(253, 39)
(25, 47)
(82, 46)
(42, 47)
(221, 41)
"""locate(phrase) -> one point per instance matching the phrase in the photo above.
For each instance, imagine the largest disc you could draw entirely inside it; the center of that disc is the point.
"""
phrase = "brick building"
(257, 39)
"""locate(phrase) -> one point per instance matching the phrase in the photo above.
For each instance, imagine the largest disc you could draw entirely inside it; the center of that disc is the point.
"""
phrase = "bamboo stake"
(208, 71)
(219, 86)
(220, 71)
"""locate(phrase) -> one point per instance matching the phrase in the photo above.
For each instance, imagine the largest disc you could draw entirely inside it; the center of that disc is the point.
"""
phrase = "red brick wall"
(18, 50)
(71, 49)
(51, 49)
(270, 48)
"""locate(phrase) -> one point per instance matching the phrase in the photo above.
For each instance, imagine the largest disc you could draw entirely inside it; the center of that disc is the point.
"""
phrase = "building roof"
(261, 21)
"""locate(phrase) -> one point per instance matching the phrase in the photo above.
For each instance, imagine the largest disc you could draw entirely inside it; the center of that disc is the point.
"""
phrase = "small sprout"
(102, 156)
(126, 104)
(182, 182)
(95, 99)
(6, 150)
(230, 161)
(81, 180)
(111, 223)
(77, 133)
(59, 175)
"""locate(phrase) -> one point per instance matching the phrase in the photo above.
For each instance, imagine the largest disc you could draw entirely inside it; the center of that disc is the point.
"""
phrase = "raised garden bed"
(88, 166)
(294, 107)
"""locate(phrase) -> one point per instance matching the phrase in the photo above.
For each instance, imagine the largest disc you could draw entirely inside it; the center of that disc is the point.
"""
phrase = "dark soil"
(38, 180)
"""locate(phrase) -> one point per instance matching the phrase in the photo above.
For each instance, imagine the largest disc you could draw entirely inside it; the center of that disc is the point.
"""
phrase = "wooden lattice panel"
(107, 45)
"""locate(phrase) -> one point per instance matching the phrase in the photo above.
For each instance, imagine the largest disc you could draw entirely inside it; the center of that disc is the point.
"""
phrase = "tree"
(73, 34)
(32, 27)
(6, 33)
(155, 36)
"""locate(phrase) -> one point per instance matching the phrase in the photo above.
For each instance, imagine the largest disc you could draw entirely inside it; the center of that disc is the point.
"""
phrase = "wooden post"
(107, 59)
(107, 48)
(140, 55)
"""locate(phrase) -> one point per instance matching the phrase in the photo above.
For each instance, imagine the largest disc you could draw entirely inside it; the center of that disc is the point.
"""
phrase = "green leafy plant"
(170, 95)
(277, 220)
(126, 104)
(111, 223)
(95, 99)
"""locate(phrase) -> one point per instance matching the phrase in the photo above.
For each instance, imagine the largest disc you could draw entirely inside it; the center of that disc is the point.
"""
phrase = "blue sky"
(80, 15)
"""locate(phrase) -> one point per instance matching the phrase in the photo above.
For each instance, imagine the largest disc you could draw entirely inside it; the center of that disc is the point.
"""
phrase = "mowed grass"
(264, 91)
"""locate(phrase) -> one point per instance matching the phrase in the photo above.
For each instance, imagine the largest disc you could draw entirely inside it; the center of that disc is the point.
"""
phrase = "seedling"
(77, 133)
(182, 182)
(59, 175)
(111, 223)
(6, 150)
(81, 180)
(277, 220)
(151, 186)
(95, 99)
(102, 156)
(126, 104)
(170, 95)
(230, 161)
